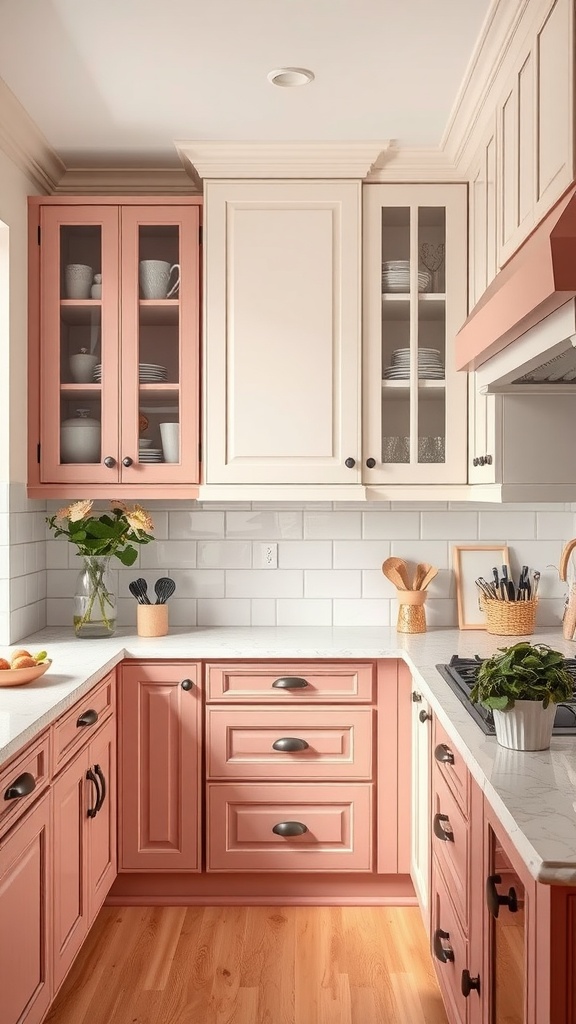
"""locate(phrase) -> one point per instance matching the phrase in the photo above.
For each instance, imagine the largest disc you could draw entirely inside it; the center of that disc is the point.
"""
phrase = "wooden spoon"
(396, 570)
(432, 572)
(421, 569)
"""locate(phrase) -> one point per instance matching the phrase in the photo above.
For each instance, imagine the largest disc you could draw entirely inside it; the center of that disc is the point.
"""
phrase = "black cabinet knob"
(127, 461)
(416, 697)
(445, 834)
(109, 462)
(290, 683)
(475, 461)
(89, 717)
(424, 716)
(443, 754)
(186, 684)
(468, 983)
(370, 463)
(289, 744)
(290, 828)
(350, 463)
(445, 954)
(488, 460)
(481, 460)
(495, 900)
(22, 786)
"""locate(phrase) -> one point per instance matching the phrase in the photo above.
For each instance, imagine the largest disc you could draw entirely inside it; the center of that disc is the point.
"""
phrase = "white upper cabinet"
(482, 218)
(282, 332)
(415, 300)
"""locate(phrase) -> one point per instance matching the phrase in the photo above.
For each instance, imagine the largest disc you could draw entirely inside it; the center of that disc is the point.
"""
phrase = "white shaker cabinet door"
(282, 332)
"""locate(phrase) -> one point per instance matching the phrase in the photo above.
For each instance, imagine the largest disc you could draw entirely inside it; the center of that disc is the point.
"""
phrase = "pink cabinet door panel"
(74, 729)
(160, 768)
(333, 825)
(101, 866)
(25, 918)
(70, 918)
(311, 743)
(451, 765)
(318, 681)
(449, 950)
(450, 844)
(35, 761)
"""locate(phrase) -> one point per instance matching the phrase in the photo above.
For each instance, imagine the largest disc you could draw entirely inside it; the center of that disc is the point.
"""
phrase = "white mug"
(170, 434)
(155, 279)
(78, 280)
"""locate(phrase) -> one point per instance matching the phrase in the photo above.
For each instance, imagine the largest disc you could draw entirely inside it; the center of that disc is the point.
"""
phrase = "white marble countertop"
(532, 793)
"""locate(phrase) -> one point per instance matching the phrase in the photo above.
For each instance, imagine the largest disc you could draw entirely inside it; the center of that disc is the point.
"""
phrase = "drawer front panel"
(451, 765)
(452, 852)
(240, 743)
(15, 776)
(337, 820)
(309, 682)
(449, 950)
(93, 709)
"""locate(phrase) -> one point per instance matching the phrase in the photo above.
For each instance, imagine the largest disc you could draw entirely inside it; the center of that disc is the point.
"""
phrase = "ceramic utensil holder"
(411, 612)
(152, 619)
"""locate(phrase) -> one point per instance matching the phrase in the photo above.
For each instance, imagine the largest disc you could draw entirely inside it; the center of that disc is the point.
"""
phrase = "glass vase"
(94, 600)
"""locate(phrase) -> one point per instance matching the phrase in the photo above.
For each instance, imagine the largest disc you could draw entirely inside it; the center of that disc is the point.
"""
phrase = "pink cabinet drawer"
(449, 950)
(311, 743)
(337, 682)
(450, 764)
(76, 726)
(333, 822)
(450, 841)
(27, 774)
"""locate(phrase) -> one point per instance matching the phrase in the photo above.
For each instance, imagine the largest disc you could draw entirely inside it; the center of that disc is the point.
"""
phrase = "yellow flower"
(76, 511)
(138, 519)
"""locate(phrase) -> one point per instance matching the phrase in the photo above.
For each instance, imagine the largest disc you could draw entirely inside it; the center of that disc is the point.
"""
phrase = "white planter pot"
(526, 726)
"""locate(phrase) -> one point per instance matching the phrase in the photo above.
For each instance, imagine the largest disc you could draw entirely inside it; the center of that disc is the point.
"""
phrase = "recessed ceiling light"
(290, 77)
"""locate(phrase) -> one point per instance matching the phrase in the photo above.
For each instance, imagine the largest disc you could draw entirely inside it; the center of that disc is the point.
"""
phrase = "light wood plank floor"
(252, 965)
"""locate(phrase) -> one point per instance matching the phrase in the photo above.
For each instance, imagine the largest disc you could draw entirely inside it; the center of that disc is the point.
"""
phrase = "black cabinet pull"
(290, 828)
(102, 779)
(127, 461)
(109, 462)
(22, 786)
(488, 460)
(370, 463)
(445, 954)
(445, 834)
(290, 683)
(468, 983)
(93, 811)
(186, 684)
(350, 463)
(289, 744)
(424, 715)
(416, 697)
(495, 900)
(443, 754)
(474, 461)
(89, 717)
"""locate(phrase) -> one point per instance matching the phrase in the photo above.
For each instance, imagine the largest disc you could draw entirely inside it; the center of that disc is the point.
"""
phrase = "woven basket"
(510, 618)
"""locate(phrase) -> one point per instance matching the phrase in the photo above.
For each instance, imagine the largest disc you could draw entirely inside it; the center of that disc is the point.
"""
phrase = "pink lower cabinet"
(25, 917)
(84, 844)
(271, 827)
(160, 767)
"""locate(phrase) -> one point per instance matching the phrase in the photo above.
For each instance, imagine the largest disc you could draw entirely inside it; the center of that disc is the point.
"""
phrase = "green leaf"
(128, 556)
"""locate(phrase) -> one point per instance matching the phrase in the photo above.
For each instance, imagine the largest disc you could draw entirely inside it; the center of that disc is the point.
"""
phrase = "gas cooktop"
(460, 674)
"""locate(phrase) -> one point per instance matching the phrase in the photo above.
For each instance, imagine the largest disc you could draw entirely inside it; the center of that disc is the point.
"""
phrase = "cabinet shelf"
(159, 312)
(80, 390)
(396, 305)
(401, 388)
(81, 312)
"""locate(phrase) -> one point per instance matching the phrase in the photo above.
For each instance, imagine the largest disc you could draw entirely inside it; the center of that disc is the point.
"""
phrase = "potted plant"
(522, 685)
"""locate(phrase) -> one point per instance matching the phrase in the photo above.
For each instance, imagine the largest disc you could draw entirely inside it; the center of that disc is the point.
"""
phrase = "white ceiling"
(119, 80)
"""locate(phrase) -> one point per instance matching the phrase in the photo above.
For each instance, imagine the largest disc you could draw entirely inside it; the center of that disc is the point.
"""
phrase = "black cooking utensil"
(139, 589)
(164, 588)
(497, 591)
(485, 587)
(509, 589)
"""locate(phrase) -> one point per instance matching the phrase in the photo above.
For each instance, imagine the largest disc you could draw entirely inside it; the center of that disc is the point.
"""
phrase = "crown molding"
(24, 144)
(280, 159)
(410, 164)
(125, 181)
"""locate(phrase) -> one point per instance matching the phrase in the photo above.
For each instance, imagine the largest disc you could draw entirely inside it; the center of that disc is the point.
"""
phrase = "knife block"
(152, 619)
(411, 612)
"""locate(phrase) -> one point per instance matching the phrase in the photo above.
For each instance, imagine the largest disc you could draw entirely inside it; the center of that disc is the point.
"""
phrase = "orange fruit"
(24, 661)
(20, 653)
(4, 664)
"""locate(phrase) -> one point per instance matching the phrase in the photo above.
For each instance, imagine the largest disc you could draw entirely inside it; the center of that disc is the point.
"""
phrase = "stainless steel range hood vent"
(543, 359)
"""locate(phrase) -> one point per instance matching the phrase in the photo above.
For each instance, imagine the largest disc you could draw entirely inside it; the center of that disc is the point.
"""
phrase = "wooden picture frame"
(471, 561)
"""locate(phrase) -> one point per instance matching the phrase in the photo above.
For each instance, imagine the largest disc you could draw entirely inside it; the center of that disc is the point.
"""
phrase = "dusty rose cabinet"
(113, 346)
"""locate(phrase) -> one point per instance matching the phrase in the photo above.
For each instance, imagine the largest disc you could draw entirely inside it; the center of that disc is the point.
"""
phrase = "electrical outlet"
(265, 556)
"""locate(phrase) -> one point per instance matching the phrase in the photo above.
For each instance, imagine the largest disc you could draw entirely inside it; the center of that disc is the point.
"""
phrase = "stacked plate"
(146, 454)
(149, 373)
(396, 277)
(430, 365)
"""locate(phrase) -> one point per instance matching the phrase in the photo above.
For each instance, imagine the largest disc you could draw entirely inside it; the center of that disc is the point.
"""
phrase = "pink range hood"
(538, 279)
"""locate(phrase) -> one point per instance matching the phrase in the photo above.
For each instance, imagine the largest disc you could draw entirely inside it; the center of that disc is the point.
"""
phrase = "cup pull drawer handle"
(290, 828)
(290, 744)
(22, 786)
(443, 754)
(290, 683)
(89, 717)
(445, 834)
(445, 954)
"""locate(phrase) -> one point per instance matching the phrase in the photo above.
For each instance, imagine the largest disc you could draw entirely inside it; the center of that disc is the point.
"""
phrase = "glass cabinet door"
(159, 403)
(416, 300)
(79, 344)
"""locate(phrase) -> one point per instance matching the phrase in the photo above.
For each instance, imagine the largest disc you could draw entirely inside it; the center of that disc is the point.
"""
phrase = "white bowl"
(145, 442)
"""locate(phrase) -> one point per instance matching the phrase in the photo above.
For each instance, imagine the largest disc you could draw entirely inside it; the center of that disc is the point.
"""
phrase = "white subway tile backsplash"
(182, 612)
(199, 582)
(441, 613)
(223, 613)
(190, 525)
(507, 525)
(224, 554)
(332, 583)
(163, 554)
(305, 554)
(56, 554)
(264, 583)
(312, 612)
(391, 525)
(365, 612)
(360, 554)
(332, 525)
(376, 585)
(260, 525)
(447, 525)
(436, 552)
(263, 611)
(551, 525)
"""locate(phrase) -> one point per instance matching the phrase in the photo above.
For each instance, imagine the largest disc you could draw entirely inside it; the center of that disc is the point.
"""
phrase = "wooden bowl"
(18, 676)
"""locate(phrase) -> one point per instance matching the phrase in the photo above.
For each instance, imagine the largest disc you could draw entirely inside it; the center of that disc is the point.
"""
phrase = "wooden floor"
(252, 965)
